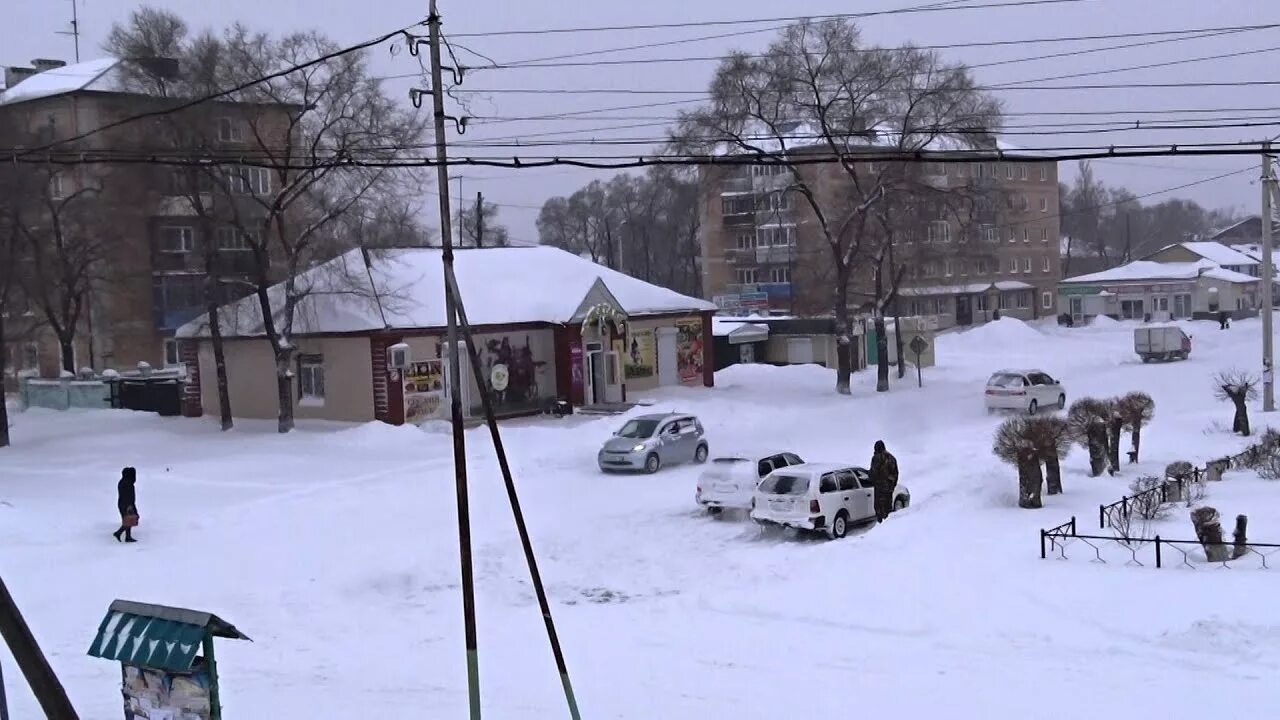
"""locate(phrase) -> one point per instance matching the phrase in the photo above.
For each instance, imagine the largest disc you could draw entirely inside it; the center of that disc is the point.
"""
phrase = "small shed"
(738, 341)
(157, 647)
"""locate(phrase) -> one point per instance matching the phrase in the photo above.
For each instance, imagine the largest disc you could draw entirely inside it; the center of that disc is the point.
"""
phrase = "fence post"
(1157, 551)
(1042, 551)
(1124, 506)
(1102, 512)
(1073, 526)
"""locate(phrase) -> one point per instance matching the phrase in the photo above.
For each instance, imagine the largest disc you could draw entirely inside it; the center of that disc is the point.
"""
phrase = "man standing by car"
(884, 478)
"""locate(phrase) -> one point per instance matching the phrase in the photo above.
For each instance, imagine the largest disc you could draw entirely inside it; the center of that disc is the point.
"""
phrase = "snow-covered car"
(819, 496)
(728, 483)
(649, 442)
(1024, 390)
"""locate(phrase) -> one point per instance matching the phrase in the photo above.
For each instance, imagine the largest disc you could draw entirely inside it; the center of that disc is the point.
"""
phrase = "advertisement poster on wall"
(641, 355)
(515, 377)
(423, 390)
(157, 695)
(575, 365)
(689, 351)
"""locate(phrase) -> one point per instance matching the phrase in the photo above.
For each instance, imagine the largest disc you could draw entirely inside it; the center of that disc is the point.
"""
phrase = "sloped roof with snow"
(404, 288)
(1215, 252)
(1150, 270)
(92, 75)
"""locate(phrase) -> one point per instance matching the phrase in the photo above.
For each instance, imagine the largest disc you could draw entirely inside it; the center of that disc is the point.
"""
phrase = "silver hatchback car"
(649, 442)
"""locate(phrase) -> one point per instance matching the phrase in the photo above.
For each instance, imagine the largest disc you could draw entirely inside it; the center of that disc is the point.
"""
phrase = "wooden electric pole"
(479, 219)
(456, 383)
(31, 661)
(1268, 277)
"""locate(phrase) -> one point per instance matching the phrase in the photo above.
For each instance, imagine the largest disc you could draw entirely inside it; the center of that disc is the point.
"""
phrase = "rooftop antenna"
(74, 32)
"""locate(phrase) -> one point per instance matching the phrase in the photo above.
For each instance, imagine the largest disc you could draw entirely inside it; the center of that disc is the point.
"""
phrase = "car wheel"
(700, 455)
(1033, 407)
(991, 411)
(652, 463)
(713, 511)
(900, 504)
(1062, 402)
(840, 525)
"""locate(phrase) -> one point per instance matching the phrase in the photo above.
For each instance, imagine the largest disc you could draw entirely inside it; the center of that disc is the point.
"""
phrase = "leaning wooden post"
(215, 704)
(40, 676)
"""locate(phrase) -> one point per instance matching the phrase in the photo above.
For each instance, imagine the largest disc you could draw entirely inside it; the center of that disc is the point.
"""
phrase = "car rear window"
(729, 460)
(1006, 380)
(785, 485)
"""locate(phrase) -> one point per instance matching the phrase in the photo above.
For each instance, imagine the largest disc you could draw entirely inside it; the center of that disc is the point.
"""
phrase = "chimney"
(43, 64)
(15, 75)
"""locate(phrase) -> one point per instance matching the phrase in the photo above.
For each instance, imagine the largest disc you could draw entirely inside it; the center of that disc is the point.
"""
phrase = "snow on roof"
(724, 327)
(404, 288)
(89, 75)
(1215, 252)
(1151, 270)
(883, 137)
(966, 289)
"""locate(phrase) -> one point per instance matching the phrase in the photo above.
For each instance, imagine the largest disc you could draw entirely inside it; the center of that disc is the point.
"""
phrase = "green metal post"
(215, 704)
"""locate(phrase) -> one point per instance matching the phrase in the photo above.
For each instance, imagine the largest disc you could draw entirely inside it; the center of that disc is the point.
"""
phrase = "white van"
(819, 496)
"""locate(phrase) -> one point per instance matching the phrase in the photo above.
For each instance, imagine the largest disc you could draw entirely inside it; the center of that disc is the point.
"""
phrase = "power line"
(1167, 63)
(936, 7)
(639, 91)
(220, 94)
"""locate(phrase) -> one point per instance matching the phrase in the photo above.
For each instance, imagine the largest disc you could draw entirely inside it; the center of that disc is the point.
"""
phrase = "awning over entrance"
(739, 331)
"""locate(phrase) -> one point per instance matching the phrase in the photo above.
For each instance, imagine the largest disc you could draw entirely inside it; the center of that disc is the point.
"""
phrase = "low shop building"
(1148, 290)
(549, 326)
(783, 340)
(973, 303)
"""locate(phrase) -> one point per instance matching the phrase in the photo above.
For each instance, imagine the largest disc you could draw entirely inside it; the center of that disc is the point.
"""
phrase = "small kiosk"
(157, 646)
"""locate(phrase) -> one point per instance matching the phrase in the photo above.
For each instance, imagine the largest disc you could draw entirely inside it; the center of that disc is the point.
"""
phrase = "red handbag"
(131, 520)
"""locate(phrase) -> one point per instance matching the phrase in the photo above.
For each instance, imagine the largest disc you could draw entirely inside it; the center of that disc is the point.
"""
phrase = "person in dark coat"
(884, 478)
(126, 503)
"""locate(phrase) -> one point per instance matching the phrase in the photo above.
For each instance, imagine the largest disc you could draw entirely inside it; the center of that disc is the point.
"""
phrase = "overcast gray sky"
(30, 28)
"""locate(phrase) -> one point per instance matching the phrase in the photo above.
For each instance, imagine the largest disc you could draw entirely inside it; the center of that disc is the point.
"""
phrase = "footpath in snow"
(335, 548)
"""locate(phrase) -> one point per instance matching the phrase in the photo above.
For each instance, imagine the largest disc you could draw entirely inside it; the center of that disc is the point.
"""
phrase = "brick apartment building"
(151, 280)
(762, 246)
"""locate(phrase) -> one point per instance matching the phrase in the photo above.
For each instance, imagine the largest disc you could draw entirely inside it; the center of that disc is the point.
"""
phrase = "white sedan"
(1027, 391)
(728, 483)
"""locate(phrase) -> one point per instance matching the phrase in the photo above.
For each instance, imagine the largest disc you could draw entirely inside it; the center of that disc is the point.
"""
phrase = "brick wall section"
(189, 354)
(388, 396)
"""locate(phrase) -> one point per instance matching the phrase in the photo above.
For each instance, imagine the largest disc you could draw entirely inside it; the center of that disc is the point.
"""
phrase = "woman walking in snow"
(127, 504)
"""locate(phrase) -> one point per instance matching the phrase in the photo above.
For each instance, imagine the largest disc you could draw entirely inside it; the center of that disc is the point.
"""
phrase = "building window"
(1013, 235)
(940, 231)
(1026, 265)
(1044, 173)
(930, 270)
(1045, 264)
(57, 189)
(935, 168)
(746, 241)
(1022, 203)
(767, 170)
(780, 274)
(736, 205)
(871, 168)
(946, 268)
(982, 266)
(232, 239)
(776, 236)
(990, 233)
(1044, 204)
(1044, 234)
(1026, 235)
(1013, 266)
(962, 170)
(229, 130)
(980, 302)
(171, 357)
(746, 276)
(1004, 301)
(1024, 299)
(177, 239)
(994, 170)
(1022, 172)
(253, 181)
(776, 202)
(1008, 171)
(964, 268)
(1046, 300)
(311, 379)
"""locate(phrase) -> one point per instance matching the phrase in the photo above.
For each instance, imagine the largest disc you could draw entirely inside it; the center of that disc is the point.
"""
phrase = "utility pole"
(479, 219)
(44, 683)
(455, 374)
(1268, 274)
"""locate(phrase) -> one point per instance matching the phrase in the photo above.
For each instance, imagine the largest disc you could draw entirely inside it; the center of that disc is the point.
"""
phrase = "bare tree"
(1016, 444)
(1239, 387)
(820, 91)
(1137, 410)
(1088, 419)
(480, 226)
(1052, 438)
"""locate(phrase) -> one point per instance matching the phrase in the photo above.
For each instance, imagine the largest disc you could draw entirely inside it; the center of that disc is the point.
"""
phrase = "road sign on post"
(918, 346)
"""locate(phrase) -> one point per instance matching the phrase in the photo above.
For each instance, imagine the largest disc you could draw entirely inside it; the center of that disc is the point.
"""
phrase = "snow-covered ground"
(335, 548)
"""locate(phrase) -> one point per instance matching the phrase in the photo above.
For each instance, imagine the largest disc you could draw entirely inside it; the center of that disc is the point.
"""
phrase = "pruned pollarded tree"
(1239, 387)
(1088, 419)
(1115, 429)
(1052, 437)
(1015, 443)
(820, 91)
(1137, 410)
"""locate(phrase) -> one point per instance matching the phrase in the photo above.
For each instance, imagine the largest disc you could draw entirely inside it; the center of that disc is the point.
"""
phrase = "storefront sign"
(575, 364)
(641, 355)
(689, 357)
(499, 377)
(1079, 290)
(423, 390)
(742, 302)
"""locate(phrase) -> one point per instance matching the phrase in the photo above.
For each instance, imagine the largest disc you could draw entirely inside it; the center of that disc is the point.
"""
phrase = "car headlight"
(638, 448)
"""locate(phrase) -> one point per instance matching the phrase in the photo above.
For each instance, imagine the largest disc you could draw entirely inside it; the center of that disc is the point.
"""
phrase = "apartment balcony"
(234, 262)
(738, 220)
(772, 289)
(774, 254)
(740, 256)
(735, 186)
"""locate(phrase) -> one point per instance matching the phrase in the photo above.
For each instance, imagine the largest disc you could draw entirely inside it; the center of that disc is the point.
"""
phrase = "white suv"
(1024, 390)
(819, 496)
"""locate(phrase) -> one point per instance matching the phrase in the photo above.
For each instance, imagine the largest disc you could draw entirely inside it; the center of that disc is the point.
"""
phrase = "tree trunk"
(1137, 440)
(1030, 480)
(1241, 541)
(1053, 473)
(284, 388)
(1240, 423)
(1097, 437)
(1113, 443)
(882, 355)
(1209, 533)
(4, 405)
(220, 368)
(844, 360)
(897, 338)
(67, 349)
